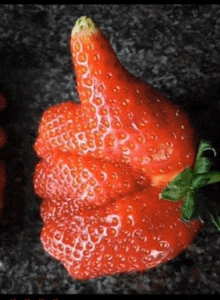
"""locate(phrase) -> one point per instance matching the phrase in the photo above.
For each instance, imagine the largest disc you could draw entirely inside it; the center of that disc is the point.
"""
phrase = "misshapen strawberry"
(120, 117)
(105, 164)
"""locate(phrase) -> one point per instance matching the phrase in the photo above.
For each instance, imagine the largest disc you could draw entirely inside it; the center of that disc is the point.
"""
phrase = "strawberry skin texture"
(134, 233)
(104, 162)
(87, 181)
(3, 140)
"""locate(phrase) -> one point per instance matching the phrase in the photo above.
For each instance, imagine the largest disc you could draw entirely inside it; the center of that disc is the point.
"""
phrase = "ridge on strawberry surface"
(105, 165)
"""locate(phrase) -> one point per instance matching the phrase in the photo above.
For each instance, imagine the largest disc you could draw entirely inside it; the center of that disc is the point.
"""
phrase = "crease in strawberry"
(88, 181)
(104, 163)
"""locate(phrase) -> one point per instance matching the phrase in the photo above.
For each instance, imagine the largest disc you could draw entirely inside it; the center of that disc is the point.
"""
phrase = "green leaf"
(202, 165)
(199, 180)
(214, 177)
(177, 188)
(188, 207)
(203, 146)
(185, 185)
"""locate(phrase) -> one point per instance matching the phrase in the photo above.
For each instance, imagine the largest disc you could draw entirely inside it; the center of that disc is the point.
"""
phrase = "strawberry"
(90, 181)
(129, 234)
(108, 163)
(3, 140)
(113, 120)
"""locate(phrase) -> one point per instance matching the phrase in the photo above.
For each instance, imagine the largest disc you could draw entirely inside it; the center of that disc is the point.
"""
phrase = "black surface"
(175, 48)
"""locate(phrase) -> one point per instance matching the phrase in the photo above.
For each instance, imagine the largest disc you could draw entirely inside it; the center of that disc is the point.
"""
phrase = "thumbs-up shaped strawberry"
(108, 162)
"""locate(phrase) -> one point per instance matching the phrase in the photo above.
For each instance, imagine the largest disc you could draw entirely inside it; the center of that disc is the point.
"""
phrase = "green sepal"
(203, 146)
(199, 180)
(177, 188)
(185, 185)
(202, 165)
(188, 207)
(214, 177)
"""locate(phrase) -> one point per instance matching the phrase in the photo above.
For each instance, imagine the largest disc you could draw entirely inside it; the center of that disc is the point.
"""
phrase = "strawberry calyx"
(185, 185)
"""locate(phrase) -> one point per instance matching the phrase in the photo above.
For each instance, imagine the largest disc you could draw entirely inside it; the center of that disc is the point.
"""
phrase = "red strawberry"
(136, 232)
(118, 115)
(97, 224)
(88, 181)
(3, 140)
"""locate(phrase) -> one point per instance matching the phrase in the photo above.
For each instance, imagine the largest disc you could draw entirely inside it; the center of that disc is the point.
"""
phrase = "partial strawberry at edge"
(141, 138)
(2, 102)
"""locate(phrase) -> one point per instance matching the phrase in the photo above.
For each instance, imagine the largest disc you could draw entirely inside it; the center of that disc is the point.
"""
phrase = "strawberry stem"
(185, 185)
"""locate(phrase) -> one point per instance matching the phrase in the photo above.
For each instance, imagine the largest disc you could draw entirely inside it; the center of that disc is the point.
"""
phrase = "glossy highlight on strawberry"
(103, 164)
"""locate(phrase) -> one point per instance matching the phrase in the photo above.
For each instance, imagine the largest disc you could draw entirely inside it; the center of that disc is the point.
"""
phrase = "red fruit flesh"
(104, 162)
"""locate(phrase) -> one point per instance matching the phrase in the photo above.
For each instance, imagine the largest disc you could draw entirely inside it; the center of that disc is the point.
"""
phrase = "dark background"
(173, 47)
